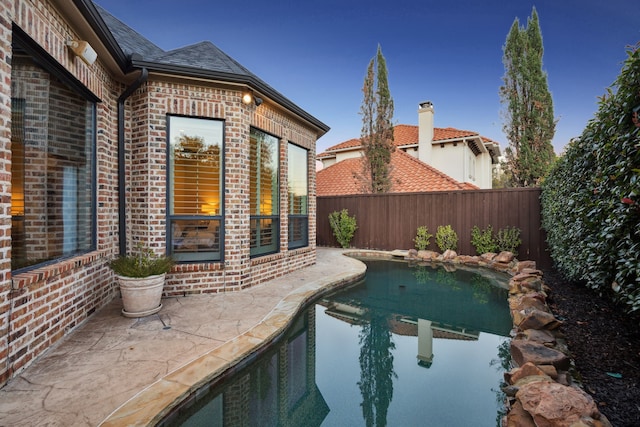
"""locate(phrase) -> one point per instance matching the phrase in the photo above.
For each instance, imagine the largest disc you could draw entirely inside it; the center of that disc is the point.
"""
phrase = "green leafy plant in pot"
(141, 277)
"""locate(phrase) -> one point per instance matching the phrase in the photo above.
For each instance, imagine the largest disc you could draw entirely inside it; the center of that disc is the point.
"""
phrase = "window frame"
(261, 250)
(24, 45)
(304, 242)
(195, 220)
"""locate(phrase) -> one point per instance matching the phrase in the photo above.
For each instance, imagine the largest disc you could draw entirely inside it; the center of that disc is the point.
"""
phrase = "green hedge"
(590, 200)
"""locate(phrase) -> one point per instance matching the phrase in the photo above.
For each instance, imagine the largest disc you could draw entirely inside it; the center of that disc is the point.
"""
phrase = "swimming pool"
(409, 345)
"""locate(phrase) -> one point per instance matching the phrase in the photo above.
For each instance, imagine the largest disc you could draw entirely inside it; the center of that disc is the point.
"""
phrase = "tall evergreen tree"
(529, 123)
(377, 126)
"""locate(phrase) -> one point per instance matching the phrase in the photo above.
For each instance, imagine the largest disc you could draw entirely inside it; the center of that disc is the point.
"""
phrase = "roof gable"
(203, 55)
(404, 135)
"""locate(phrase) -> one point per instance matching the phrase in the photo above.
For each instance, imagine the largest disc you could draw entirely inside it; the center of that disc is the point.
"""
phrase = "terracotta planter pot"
(141, 295)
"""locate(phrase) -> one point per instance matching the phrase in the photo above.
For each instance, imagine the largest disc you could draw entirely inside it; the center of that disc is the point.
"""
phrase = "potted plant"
(141, 278)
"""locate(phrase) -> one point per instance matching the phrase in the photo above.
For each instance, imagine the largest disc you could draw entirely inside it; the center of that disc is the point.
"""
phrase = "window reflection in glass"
(195, 188)
(264, 193)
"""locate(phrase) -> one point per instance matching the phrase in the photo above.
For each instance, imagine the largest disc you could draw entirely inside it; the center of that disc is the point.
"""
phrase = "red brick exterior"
(40, 307)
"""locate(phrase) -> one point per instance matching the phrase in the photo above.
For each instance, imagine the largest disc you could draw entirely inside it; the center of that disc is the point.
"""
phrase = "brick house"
(443, 159)
(186, 152)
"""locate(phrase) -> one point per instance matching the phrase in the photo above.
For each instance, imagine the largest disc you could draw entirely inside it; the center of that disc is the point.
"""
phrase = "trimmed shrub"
(343, 226)
(423, 238)
(591, 198)
(508, 239)
(483, 240)
(446, 238)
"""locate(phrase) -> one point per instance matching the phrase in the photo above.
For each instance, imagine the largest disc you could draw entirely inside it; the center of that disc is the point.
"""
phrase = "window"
(196, 153)
(264, 193)
(298, 196)
(53, 159)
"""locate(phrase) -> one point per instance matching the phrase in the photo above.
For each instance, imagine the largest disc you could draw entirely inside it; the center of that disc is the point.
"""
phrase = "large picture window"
(264, 193)
(52, 162)
(298, 168)
(196, 153)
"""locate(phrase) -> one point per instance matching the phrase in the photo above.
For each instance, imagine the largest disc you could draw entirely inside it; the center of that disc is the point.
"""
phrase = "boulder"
(449, 255)
(525, 265)
(469, 260)
(555, 405)
(528, 351)
(412, 254)
(532, 318)
(540, 336)
(489, 256)
(518, 417)
(426, 255)
(526, 370)
(531, 300)
(504, 257)
(531, 271)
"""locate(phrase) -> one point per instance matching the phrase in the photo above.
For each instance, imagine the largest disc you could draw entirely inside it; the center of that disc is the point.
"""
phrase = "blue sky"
(448, 52)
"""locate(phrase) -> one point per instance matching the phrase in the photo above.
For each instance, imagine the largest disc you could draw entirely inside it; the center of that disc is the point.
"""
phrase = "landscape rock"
(532, 271)
(556, 405)
(526, 370)
(531, 300)
(539, 391)
(528, 351)
(532, 318)
(540, 336)
(449, 255)
(518, 417)
(504, 257)
(489, 256)
(522, 265)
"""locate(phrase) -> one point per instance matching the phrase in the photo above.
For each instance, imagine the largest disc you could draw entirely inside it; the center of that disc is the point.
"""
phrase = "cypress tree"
(377, 127)
(529, 122)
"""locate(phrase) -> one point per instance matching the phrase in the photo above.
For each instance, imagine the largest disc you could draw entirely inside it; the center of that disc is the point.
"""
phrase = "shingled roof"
(409, 175)
(200, 60)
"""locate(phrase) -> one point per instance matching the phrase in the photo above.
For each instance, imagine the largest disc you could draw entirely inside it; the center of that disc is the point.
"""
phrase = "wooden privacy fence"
(390, 221)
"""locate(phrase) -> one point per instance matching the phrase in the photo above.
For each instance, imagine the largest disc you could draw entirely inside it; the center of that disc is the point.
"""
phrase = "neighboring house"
(463, 156)
(186, 152)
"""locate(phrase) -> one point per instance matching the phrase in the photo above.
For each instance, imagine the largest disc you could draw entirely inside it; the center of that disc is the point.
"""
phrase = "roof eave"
(91, 14)
(256, 84)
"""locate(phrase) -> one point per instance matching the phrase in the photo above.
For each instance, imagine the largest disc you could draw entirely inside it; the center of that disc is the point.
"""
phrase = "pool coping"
(154, 403)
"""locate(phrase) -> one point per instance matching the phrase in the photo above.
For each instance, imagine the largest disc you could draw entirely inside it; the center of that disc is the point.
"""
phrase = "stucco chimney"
(425, 131)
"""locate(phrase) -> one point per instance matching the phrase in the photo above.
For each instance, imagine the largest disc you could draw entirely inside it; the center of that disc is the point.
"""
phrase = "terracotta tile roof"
(405, 135)
(409, 175)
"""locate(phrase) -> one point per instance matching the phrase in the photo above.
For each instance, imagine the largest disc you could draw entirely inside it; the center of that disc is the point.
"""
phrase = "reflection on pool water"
(410, 345)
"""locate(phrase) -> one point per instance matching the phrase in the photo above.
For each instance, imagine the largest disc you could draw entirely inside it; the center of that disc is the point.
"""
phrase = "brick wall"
(39, 307)
(147, 192)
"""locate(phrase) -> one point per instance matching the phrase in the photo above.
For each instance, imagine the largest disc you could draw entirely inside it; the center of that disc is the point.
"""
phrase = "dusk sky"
(447, 52)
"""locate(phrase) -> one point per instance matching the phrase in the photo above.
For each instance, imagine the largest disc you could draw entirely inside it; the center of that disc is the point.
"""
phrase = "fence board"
(390, 221)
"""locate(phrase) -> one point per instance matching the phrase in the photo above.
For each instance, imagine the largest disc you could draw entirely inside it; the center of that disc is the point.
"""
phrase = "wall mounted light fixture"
(84, 50)
(248, 97)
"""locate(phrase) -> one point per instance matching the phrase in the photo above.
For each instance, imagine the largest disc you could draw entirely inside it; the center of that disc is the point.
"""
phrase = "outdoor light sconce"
(84, 50)
(248, 97)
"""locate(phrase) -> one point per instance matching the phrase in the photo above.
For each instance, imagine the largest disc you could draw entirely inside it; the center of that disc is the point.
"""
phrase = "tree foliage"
(377, 126)
(529, 123)
(591, 198)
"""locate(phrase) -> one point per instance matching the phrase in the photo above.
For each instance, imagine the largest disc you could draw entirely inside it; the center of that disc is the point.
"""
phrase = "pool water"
(410, 345)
